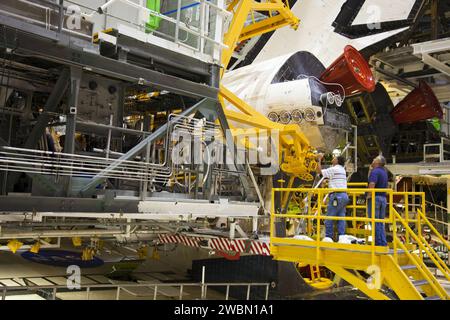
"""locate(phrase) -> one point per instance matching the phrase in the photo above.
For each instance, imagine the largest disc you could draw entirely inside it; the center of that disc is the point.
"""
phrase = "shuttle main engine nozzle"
(420, 104)
(351, 71)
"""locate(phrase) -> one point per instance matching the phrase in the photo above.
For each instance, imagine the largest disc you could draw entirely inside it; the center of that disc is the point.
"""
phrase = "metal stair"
(400, 269)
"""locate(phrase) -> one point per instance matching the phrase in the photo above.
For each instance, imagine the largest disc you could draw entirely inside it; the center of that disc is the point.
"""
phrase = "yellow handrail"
(445, 242)
(315, 214)
(413, 206)
(357, 184)
(424, 272)
(431, 251)
(420, 243)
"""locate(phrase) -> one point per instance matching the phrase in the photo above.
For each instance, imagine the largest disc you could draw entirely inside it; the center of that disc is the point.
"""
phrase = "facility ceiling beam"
(426, 49)
(396, 77)
(436, 64)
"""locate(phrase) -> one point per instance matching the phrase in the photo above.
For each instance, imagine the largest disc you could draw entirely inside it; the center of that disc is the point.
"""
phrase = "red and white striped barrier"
(178, 238)
(222, 244)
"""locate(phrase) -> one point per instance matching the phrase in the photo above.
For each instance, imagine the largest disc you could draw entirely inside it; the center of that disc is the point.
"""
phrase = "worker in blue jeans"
(336, 208)
(337, 179)
(378, 179)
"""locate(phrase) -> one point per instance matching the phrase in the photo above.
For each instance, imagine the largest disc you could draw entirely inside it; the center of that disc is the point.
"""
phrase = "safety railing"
(197, 25)
(437, 151)
(52, 290)
(438, 215)
(49, 14)
(404, 216)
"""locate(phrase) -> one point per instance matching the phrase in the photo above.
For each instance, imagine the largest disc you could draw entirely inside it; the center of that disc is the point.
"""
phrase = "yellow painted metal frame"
(340, 258)
(239, 32)
(294, 147)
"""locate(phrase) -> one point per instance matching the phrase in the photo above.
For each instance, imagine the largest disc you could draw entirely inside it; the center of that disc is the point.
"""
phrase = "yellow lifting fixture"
(241, 10)
(36, 247)
(14, 245)
(142, 252)
(88, 254)
(155, 254)
(76, 241)
(294, 148)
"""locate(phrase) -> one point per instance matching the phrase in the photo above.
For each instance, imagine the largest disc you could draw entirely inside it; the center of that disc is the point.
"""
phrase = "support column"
(38, 130)
(434, 19)
(448, 214)
(121, 89)
(69, 140)
(207, 189)
(50, 106)
(75, 79)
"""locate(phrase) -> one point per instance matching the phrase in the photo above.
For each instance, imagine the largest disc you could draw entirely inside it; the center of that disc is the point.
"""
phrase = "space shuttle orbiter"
(303, 76)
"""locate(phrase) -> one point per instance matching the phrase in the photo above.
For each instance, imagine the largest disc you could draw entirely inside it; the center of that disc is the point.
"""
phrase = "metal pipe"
(61, 16)
(181, 292)
(108, 143)
(81, 124)
(59, 233)
(136, 149)
(177, 25)
(203, 283)
(46, 155)
(395, 77)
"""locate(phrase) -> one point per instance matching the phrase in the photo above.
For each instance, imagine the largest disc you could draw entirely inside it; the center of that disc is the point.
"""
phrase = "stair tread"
(419, 282)
(392, 251)
(433, 298)
(408, 267)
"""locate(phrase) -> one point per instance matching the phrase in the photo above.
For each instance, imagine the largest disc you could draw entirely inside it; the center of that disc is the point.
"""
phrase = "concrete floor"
(170, 268)
(13, 268)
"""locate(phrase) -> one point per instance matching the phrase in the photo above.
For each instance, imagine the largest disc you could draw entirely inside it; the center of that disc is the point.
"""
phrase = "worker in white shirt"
(337, 179)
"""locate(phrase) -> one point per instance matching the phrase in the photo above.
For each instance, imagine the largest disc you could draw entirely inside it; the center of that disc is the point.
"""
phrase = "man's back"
(337, 177)
(379, 177)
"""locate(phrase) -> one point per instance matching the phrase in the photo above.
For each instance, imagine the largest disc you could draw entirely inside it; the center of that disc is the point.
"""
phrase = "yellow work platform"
(398, 269)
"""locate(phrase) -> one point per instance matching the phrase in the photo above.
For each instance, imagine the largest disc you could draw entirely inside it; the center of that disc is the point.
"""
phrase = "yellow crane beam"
(280, 15)
(299, 160)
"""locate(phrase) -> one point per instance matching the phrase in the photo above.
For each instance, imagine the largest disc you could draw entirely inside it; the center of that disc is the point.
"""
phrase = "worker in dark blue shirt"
(378, 179)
